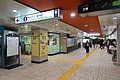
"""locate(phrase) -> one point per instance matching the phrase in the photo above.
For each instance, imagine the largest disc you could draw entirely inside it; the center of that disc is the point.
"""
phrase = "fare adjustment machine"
(12, 56)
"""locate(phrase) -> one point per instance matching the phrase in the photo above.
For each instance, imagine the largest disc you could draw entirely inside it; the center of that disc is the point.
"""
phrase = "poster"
(12, 46)
(35, 44)
(43, 44)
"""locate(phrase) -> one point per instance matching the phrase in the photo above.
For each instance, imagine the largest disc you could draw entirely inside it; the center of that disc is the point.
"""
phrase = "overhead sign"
(38, 16)
(98, 6)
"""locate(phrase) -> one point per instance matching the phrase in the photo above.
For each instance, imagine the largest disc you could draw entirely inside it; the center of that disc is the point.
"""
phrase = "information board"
(43, 44)
(12, 46)
(38, 16)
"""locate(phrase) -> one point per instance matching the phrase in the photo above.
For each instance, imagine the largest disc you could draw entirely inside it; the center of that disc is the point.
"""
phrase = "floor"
(76, 65)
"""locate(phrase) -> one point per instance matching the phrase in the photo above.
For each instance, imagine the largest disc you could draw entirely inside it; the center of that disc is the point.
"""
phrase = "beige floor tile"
(98, 66)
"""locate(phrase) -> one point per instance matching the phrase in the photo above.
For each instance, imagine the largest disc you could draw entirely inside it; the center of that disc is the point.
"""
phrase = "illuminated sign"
(98, 6)
(116, 3)
(38, 16)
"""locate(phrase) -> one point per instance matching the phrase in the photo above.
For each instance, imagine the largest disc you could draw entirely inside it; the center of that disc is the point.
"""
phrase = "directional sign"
(38, 16)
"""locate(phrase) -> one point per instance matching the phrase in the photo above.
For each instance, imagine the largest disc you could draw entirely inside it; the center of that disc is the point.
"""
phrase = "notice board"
(12, 46)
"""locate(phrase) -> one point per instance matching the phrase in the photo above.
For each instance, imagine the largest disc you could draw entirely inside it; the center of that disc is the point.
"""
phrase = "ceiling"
(7, 15)
(95, 24)
(67, 7)
(108, 23)
(7, 18)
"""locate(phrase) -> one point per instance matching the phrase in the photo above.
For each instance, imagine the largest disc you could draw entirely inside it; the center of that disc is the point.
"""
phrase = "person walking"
(101, 43)
(87, 47)
(93, 43)
(107, 44)
(113, 48)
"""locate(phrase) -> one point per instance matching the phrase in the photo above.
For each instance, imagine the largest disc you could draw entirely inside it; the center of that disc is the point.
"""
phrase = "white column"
(118, 44)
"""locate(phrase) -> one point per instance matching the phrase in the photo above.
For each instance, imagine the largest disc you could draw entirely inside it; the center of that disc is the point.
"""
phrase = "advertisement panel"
(43, 44)
(12, 46)
(35, 44)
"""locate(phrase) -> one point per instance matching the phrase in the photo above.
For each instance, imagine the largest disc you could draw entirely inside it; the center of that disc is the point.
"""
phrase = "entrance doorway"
(25, 43)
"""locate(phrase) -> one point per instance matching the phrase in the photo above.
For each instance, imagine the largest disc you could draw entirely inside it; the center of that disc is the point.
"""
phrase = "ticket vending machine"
(12, 55)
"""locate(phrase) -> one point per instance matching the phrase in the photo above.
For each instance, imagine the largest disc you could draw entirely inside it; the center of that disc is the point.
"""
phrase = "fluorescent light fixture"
(86, 25)
(73, 14)
(93, 34)
(115, 18)
(14, 11)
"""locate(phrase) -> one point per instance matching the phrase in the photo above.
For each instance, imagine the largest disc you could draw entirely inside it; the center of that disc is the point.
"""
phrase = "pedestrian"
(87, 47)
(107, 44)
(101, 43)
(94, 43)
(113, 48)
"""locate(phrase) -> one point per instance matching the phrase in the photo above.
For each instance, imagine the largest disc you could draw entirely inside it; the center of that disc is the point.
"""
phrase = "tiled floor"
(98, 66)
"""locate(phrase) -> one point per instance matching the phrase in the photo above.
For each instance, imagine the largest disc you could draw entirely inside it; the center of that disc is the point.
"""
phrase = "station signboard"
(38, 16)
(99, 6)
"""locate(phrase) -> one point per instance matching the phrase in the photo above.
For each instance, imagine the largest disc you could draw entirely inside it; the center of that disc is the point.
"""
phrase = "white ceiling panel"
(108, 23)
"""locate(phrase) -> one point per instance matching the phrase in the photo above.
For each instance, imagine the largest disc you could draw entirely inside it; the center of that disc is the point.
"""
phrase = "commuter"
(93, 43)
(104, 43)
(90, 44)
(87, 47)
(107, 44)
(113, 48)
(101, 43)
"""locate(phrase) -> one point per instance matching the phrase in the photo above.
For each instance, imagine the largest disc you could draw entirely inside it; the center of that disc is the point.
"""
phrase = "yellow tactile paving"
(67, 74)
(76, 63)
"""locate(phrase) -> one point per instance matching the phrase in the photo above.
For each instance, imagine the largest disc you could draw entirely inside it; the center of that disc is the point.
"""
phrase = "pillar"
(118, 44)
(39, 46)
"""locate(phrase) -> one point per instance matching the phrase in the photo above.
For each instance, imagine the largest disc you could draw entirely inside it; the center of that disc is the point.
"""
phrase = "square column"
(39, 46)
(118, 44)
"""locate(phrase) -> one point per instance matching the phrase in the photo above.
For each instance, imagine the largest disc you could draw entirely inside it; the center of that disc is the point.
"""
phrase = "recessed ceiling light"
(86, 25)
(56, 24)
(73, 14)
(115, 18)
(15, 11)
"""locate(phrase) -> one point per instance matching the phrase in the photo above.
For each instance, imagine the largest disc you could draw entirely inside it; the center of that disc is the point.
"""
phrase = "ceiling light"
(73, 14)
(114, 18)
(93, 34)
(10, 32)
(56, 24)
(15, 11)
(86, 25)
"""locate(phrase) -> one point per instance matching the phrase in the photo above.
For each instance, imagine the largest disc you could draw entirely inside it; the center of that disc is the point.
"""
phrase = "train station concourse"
(59, 39)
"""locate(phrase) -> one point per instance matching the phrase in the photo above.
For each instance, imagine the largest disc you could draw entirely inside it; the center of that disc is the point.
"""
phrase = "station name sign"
(98, 6)
(38, 16)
